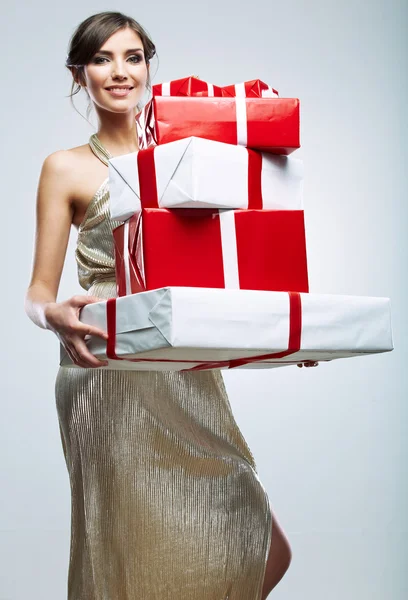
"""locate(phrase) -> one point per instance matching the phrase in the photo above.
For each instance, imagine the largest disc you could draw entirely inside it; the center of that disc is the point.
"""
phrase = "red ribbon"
(295, 331)
(148, 184)
(255, 200)
(294, 342)
(111, 327)
(147, 178)
(146, 126)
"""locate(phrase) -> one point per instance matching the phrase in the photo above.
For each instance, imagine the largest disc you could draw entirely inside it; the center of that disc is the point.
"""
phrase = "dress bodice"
(94, 251)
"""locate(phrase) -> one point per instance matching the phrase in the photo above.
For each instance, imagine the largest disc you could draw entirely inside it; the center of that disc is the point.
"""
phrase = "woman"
(166, 501)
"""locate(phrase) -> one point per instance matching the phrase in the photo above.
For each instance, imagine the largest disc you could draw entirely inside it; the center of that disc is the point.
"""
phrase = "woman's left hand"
(308, 363)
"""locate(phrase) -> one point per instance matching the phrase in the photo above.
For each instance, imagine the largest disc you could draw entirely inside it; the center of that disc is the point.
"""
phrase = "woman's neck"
(118, 138)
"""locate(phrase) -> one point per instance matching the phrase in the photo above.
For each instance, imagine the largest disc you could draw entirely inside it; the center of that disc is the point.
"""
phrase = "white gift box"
(179, 328)
(198, 173)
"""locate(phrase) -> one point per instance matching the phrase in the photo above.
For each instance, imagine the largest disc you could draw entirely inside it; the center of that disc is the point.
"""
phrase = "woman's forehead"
(123, 40)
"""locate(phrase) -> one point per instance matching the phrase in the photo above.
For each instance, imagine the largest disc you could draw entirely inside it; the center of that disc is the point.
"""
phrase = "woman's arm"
(53, 224)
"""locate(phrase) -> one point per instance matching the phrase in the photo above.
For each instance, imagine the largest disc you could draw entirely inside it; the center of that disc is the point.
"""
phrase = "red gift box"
(234, 249)
(266, 124)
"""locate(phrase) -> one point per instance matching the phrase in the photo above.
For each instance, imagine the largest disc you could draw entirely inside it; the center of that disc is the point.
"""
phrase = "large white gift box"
(180, 328)
(198, 173)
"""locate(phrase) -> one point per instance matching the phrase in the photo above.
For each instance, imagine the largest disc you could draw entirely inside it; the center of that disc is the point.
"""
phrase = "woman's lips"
(120, 93)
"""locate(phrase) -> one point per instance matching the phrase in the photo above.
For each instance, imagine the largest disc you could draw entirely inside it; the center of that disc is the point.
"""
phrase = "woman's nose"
(118, 70)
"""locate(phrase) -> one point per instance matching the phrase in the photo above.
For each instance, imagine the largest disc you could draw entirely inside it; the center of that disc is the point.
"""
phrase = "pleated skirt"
(166, 503)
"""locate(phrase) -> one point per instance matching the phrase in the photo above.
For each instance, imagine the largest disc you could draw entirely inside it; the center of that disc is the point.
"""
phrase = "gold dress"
(166, 503)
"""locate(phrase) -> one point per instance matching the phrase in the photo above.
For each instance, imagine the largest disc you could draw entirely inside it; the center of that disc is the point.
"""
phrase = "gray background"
(330, 442)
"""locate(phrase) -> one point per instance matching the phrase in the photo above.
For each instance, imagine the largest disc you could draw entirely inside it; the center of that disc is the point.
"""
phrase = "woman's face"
(119, 62)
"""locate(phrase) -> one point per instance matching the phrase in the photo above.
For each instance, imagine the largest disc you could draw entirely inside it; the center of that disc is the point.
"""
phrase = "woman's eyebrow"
(109, 53)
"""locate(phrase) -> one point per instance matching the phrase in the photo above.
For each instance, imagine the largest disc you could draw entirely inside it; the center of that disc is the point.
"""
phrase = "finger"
(76, 359)
(84, 362)
(71, 354)
(300, 365)
(83, 329)
(95, 299)
(79, 300)
(82, 300)
(79, 361)
(85, 355)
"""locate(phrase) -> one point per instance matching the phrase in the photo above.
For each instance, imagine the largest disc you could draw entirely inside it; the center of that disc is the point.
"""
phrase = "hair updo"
(89, 37)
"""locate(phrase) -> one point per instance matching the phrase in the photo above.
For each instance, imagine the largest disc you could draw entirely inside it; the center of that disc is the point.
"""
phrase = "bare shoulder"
(64, 162)
(77, 174)
(61, 166)
(54, 181)
(59, 162)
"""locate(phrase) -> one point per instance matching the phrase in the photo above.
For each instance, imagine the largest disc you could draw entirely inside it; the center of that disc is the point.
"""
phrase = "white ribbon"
(241, 114)
(165, 88)
(141, 127)
(126, 257)
(269, 93)
(229, 249)
(228, 246)
(240, 106)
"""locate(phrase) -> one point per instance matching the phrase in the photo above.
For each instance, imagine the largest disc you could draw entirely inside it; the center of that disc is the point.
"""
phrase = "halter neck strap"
(99, 149)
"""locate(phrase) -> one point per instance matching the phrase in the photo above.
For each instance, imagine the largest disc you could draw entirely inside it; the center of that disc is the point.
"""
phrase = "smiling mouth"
(114, 87)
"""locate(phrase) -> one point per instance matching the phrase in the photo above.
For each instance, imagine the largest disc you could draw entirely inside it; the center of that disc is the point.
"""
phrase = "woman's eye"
(99, 59)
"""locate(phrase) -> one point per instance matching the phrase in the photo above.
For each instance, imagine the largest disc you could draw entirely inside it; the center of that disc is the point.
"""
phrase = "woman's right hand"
(63, 319)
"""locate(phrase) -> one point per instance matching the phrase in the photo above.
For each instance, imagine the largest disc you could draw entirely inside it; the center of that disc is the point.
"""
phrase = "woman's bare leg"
(279, 558)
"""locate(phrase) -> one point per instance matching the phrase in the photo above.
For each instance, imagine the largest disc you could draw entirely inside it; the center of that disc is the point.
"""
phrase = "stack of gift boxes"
(209, 211)
(211, 264)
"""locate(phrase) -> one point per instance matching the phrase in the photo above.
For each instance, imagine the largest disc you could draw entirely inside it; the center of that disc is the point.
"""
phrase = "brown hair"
(88, 38)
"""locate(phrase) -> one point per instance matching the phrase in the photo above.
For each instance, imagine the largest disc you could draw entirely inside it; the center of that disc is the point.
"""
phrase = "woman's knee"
(280, 550)
(288, 555)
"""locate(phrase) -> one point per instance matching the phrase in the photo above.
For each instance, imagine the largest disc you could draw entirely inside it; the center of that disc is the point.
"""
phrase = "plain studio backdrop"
(329, 442)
